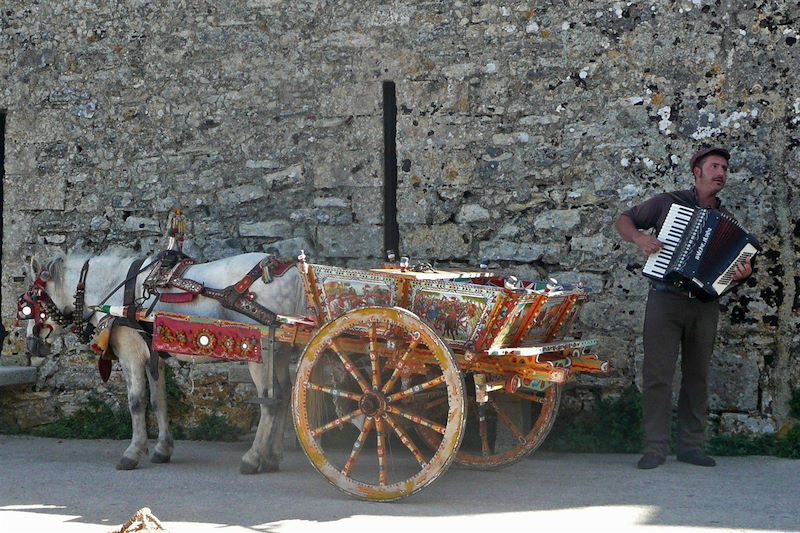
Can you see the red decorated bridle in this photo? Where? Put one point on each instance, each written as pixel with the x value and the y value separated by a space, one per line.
pixel 35 304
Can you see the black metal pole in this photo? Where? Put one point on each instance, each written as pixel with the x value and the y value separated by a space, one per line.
pixel 391 231
pixel 3 332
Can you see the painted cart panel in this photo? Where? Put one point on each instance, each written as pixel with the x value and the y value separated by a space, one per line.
pixel 335 291
pixel 459 312
pixel 470 311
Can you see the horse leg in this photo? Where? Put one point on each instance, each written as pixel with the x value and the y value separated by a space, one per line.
pixel 132 352
pixel 158 401
pixel 258 457
pixel 275 441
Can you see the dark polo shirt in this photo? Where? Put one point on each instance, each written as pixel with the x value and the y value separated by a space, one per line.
pixel 653 212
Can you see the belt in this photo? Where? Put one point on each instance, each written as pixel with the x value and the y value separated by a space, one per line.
pixel 672 289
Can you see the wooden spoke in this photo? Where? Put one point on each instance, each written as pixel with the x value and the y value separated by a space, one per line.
pixel 358 445
pixel 512 427
pixel 373 356
pixel 435 382
pixel 406 440
pixel 529 397
pixel 333 424
pixel 438 428
pixel 334 392
pixel 383 475
pixel 435 403
pixel 399 367
pixel 506 420
pixel 351 368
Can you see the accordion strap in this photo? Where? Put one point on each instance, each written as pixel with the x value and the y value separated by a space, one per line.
pixel 678 200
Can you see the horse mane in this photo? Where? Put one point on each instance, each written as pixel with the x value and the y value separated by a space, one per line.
pixel 55 266
pixel 56 263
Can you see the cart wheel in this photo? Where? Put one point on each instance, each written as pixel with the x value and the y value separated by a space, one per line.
pixel 358 388
pixel 507 428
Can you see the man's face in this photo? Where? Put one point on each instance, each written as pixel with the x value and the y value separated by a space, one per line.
pixel 712 175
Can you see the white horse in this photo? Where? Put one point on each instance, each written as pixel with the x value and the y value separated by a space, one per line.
pixel 283 295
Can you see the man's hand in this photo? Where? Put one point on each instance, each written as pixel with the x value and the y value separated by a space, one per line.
pixel 628 231
pixel 647 243
pixel 743 271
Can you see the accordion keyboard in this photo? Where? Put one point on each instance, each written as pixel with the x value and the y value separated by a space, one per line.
pixel 672 230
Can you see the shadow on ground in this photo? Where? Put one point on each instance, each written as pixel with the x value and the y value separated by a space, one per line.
pixel 202 486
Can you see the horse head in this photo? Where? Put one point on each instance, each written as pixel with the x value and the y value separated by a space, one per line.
pixel 45 305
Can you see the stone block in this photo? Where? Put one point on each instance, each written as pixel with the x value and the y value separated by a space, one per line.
pixel 17 375
pixel 271 228
pixel 331 202
pixel 472 213
pixel 362 240
pixel 368 205
pixel 349 169
pixel 733 383
pixel 503 250
pixel 292 176
pixel 234 196
pixel 41 193
pixel 745 424
pixel 558 220
pixel 147 225
pixel 291 247
pixel 364 98
pixel 434 243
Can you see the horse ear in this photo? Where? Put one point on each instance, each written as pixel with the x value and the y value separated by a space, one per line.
pixel 34 268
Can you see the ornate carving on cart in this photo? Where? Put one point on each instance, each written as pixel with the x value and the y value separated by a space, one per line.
pixel 218 339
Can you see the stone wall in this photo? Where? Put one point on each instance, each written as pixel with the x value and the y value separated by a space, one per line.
pixel 523 130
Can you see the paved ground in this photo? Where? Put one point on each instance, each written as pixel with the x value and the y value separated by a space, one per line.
pixel 72 486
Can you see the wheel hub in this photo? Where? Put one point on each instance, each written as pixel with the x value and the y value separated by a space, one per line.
pixel 372 403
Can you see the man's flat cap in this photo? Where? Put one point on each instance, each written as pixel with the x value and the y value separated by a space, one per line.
pixel 700 154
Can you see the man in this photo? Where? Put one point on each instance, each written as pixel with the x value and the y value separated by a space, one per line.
pixel 675 320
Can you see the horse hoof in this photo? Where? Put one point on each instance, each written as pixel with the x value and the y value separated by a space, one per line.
pixel 126 464
pixel 247 469
pixel 270 467
pixel 159 458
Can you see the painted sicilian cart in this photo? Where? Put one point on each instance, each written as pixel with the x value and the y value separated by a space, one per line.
pixel 410 371
pixel 404 372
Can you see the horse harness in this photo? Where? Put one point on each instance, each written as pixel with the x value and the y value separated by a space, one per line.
pixel 37 305
pixel 167 272
pixel 236 297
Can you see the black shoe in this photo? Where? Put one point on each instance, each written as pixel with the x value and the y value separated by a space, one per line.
pixel 696 457
pixel 650 460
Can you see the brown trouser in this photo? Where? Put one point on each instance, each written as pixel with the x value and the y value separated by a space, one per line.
pixel 672 323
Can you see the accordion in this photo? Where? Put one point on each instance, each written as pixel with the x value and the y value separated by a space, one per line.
pixel 700 251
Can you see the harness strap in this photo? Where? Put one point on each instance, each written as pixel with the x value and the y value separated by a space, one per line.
pixel 155 260
pixel 80 302
pixel 130 282
pixel 237 297
pixel 230 298
pixel 128 300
